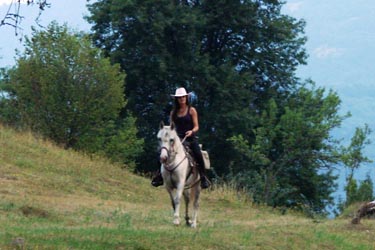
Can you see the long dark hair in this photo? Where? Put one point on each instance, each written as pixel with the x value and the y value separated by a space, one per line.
pixel 176 107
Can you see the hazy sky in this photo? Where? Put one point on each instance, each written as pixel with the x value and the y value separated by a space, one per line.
pixel 340 33
pixel 63 11
pixel 341 46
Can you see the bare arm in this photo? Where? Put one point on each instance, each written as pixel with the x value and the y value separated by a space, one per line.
pixel 194 115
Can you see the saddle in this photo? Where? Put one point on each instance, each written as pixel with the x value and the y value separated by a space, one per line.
pixel 192 162
pixel 189 155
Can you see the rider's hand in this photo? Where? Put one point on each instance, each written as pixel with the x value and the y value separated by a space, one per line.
pixel 189 133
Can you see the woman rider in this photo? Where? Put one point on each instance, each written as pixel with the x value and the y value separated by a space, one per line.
pixel 185 119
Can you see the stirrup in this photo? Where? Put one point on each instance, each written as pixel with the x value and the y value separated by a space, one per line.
pixel 204 182
pixel 157 181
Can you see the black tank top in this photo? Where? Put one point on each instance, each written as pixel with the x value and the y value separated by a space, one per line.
pixel 184 124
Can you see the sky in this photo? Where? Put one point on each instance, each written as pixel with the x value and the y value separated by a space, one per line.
pixel 341 48
pixel 70 12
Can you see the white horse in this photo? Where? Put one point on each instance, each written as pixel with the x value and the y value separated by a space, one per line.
pixel 179 176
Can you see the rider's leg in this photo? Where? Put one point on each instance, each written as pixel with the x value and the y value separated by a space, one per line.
pixel 158 178
pixel 194 146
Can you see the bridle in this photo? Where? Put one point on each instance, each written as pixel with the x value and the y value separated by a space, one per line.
pixel 168 167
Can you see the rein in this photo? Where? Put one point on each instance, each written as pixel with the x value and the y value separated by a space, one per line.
pixel 169 169
pixel 183 140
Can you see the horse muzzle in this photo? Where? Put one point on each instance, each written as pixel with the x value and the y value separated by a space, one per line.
pixel 163 159
pixel 164 155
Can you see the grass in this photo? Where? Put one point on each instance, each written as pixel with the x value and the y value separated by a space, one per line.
pixel 52 198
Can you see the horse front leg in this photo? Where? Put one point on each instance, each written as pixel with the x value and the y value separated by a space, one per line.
pixel 177 201
pixel 195 195
pixel 170 192
pixel 187 203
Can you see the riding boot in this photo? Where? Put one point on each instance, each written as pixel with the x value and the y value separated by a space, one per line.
pixel 204 180
pixel 157 180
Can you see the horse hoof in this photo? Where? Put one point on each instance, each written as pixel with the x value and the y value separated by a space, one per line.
pixel 176 222
pixel 193 225
pixel 188 222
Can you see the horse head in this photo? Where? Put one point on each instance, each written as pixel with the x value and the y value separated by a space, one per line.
pixel 167 138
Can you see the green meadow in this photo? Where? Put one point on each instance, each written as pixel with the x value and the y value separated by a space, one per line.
pixel 51 198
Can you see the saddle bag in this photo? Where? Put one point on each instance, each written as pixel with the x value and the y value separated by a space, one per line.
pixel 206 158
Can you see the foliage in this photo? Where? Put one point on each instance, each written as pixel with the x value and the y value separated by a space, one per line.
pixel 64 89
pixel 152 41
pixel 234 54
pixel 8 112
pixel 366 190
pixel 351 190
pixel 122 145
pixel 353 157
pixel 357 194
pixel 289 164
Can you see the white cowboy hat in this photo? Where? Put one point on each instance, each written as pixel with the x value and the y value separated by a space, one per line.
pixel 180 92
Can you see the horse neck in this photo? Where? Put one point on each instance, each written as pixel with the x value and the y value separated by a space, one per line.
pixel 179 153
pixel 179 147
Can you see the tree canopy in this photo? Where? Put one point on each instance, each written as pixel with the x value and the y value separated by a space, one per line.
pixel 64 89
pixel 210 47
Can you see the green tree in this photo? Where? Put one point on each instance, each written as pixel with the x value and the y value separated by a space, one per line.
pixel 352 158
pixel 63 88
pixel 155 43
pixel 121 143
pixel 366 190
pixel 355 194
pixel 290 163
pixel 235 55
pixel 254 51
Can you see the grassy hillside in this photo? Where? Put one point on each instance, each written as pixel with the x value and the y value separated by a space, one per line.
pixel 52 198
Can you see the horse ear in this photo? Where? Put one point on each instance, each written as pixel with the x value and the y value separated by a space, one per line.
pixel 172 126
pixel 161 125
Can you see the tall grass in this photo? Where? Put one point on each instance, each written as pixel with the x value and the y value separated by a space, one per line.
pixel 52 198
